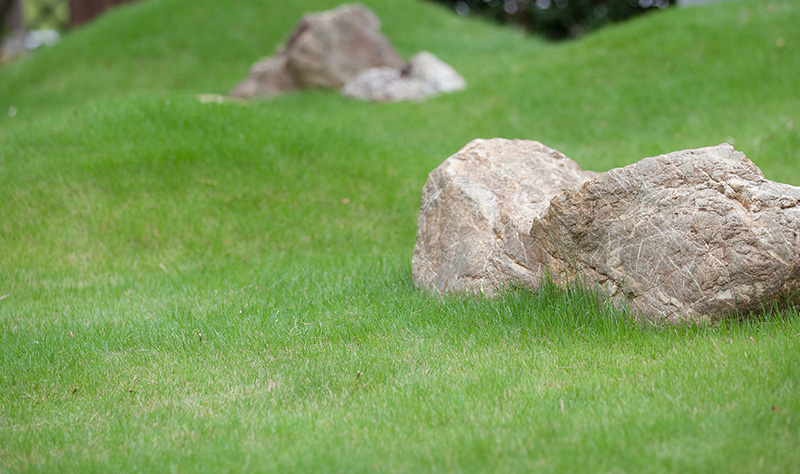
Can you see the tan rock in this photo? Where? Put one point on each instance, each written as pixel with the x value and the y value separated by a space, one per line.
pixel 268 77
pixel 475 207
pixel 326 49
pixel 323 51
pixel 690 235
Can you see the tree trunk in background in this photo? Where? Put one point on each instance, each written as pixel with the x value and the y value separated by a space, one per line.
pixel 82 11
pixel 14 21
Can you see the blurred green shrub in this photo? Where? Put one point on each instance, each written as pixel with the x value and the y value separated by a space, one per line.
pixel 556 19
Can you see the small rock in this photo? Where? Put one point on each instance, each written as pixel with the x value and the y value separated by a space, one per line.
pixel 424 76
pixel 268 77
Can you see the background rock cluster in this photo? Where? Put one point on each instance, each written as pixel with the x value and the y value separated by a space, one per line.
pixel 344 49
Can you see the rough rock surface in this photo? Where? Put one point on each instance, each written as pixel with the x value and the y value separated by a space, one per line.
pixel 323 51
pixel 692 235
pixel 475 207
pixel 424 76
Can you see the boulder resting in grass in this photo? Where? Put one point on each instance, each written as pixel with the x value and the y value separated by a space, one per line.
pixel 693 235
pixel 477 206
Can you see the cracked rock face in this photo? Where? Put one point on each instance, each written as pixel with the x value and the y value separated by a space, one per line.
pixel 477 206
pixel 687 236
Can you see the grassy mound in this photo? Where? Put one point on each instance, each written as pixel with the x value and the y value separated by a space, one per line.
pixel 226 287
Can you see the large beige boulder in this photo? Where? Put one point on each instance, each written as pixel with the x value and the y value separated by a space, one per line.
pixel 477 206
pixel 324 50
pixel 688 236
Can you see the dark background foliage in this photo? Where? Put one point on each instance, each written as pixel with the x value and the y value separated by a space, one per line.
pixel 5 9
pixel 556 19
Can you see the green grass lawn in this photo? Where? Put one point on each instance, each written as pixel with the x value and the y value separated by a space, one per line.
pixel 192 287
